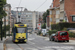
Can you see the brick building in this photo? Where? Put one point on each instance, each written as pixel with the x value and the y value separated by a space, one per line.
pixel 64 11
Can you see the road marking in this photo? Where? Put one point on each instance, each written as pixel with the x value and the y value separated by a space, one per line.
pixel 14 49
pixel 31 49
pixel 31 38
pixel 31 42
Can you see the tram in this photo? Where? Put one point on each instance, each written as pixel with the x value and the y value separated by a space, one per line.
pixel 19 32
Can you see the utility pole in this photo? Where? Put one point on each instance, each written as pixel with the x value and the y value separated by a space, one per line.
pixel 1 30
pixel 5 26
pixel 19 13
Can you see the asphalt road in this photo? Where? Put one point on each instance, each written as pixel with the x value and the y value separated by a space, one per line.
pixel 36 42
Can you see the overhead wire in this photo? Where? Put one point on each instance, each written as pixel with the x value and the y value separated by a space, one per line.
pixel 41 5
pixel 19 3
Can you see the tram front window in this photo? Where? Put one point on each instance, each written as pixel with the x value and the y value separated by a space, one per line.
pixel 20 30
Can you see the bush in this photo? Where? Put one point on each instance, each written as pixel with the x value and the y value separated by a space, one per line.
pixel 52 31
pixel 9 35
pixel 61 26
pixel 39 33
pixel 71 34
pixel 65 29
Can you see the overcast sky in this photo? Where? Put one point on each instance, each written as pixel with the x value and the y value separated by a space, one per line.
pixel 30 4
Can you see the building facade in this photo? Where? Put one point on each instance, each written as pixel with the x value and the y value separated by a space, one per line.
pixel 62 11
pixel 31 18
pixel 7 20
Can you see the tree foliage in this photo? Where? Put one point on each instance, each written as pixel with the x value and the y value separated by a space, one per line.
pixel 2 12
pixel 43 26
pixel 45 14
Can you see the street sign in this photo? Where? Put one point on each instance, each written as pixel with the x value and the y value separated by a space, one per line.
pixel 39 26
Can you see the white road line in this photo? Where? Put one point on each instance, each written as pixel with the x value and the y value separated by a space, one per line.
pixel 31 49
pixel 14 49
pixel 31 42
pixel 31 38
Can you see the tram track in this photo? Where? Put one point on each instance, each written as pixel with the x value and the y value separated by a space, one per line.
pixel 5 46
pixel 20 46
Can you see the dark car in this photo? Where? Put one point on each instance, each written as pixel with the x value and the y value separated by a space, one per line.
pixel 51 38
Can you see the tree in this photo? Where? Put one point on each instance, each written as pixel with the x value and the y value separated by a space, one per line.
pixel 43 26
pixel 45 14
pixel 2 12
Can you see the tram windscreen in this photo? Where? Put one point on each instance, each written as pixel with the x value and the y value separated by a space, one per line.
pixel 21 30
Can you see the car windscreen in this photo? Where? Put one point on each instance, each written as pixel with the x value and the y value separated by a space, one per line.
pixel 63 33
pixel 20 30
pixel 53 34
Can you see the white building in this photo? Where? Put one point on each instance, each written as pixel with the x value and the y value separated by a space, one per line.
pixel 31 18
pixel 7 20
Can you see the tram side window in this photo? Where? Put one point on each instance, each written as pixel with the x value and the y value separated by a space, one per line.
pixel 16 30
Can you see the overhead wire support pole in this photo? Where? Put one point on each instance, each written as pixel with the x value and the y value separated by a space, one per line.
pixel 1 30
pixel 19 12
pixel 5 26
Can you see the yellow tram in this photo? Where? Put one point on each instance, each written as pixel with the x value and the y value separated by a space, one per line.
pixel 19 33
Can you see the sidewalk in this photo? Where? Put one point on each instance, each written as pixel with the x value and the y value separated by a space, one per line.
pixel 1 43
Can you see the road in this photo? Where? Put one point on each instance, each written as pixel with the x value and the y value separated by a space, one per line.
pixel 36 42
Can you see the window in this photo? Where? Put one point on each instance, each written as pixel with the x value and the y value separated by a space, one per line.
pixel 73 18
pixel 26 15
pixel 60 0
pixel 50 19
pixel 63 33
pixel 20 30
pixel 57 12
pixel 57 20
pixel 50 12
pixel 65 18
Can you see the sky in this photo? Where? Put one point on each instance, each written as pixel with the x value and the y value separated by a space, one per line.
pixel 31 5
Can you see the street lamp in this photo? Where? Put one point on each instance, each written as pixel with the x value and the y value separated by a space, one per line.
pixel 1 28
pixel 13 21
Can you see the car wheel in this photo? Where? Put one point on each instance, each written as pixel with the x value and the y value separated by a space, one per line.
pixel 49 39
pixel 54 40
pixel 63 41
pixel 67 40
pixel 58 40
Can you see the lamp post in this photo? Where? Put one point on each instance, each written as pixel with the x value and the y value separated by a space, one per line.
pixel 13 21
pixel 1 29
pixel 5 22
pixel 5 26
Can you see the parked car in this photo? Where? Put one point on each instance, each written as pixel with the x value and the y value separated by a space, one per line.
pixel 61 36
pixel 70 29
pixel 51 38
